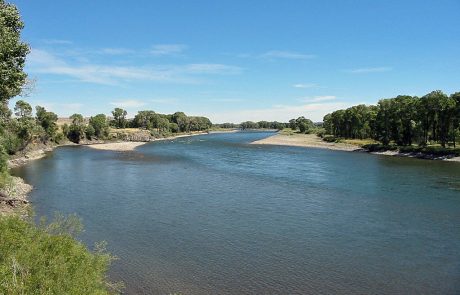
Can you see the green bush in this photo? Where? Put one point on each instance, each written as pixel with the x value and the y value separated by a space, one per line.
pixel 430 150
pixel 329 138
pixel 46 259
pixel 321 132
pixel 377 147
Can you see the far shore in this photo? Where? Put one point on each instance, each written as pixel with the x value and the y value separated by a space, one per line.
pixel 126 146
pixel 314 141
pixel 119 146
pixel 305 140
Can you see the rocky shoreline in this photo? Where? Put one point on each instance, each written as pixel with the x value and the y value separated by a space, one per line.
pixel 13 197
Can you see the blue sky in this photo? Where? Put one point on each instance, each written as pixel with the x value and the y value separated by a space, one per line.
pixel 237 60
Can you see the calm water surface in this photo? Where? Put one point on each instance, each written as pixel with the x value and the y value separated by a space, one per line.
pixel 214 215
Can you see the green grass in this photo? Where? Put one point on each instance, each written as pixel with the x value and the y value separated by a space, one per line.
pixel 47 259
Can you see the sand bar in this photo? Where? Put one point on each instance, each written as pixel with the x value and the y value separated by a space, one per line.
pixel 117 146
pixel 125 146
pixel 305 140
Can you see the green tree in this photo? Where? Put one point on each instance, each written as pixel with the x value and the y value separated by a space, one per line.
pixel 305 125
pixel 22 109
pixel 47 120
pixel 119 117
pixel 456 118
pixel 100 125
pixel 77 128
pixel 12 55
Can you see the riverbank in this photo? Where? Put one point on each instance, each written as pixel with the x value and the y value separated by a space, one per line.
pixel 305 140
pixel 314 141
pixel 125 146
pixel 13 197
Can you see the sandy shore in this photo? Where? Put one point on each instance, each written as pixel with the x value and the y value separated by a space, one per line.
pixel 454 159
pixel 117 146
pixel 311 140
pixel 125 146
pixel 305 140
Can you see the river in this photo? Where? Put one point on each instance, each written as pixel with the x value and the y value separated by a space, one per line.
pixel 212 214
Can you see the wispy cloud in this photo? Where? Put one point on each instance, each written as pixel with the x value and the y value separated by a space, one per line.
pixel 44 62
pixel 281 113
pixel 276 54
pixel 369 70
pixel 319 98
pixel 128 103
pixel 306 85
pixel 226 100
pixel 57 42
pixel 167 49
pixel 210 68
pixel 116 51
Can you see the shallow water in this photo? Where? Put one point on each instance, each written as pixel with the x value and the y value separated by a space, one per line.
pixel 212 214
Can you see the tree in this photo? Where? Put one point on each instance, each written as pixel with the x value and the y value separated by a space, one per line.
pixel 48 121
pixel 119 117
pixel 22 109
pixel 144 119
pixel 100 125
pixel 77 128
pixel 163 124
pixel 304 124
pixel 456 119
pixel 12 55
pixel 90 132
pixel 173 127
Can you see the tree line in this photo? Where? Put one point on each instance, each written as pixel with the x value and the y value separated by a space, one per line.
pixel 253 125
pixel 403 120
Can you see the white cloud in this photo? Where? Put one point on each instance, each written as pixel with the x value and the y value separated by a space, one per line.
pixel 211 69
pixel 306 85
pixel 116 51
pixel 281 113
pixel 226 100
pixel 129 103
pixel 57 42
pixel 167 49
pixel 319 98
pixel 274 54
pixel 44 62
pixel 369 70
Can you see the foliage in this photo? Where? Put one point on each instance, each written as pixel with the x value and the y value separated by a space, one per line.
pixel 119 118
pixel 160 124
pixel 100 125
pixel 262 125
pixel 23 109
pixel 76 130
pixel 48 260
pixel 402 120
pixel 12 53
pixel 47 120
pixel 3 166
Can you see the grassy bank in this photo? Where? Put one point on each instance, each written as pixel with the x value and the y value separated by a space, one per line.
pixel 47 259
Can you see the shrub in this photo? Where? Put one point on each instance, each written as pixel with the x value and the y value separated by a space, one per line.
pixel 329 138
pixel 46 259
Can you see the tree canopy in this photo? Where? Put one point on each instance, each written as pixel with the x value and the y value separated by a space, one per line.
pixel 12 53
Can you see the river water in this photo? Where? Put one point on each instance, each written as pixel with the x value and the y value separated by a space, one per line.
pixel 212 214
